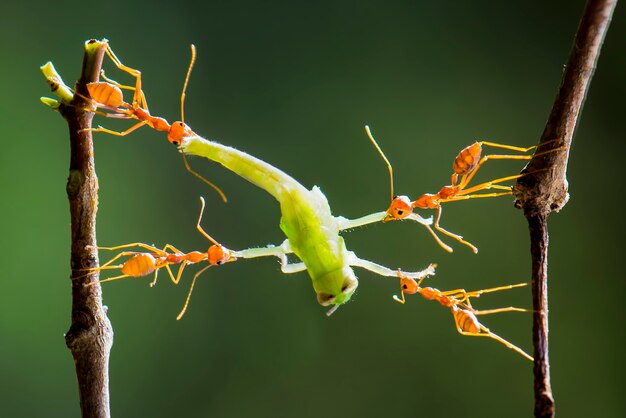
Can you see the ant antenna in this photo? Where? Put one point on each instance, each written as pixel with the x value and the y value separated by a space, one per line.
pixel 182 96
pixel 195 173
pixel 382 154
pixel 202 231
pixel 182 119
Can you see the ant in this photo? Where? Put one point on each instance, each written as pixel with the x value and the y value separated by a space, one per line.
pixel 464 314
pixel 141 264
pixel 108 95
pixel 465 166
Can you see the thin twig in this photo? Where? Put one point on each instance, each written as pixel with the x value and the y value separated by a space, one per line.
pixel 90 335
pixel 544 187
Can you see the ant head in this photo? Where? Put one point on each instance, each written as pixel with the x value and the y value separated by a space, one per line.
pixel 408 285
pixel 218 254
pixel 178 131
pixel 400 208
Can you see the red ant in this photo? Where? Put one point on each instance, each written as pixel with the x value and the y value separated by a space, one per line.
pixel 464 314
pixel 465 166
pixel 141 264
pixel 108 95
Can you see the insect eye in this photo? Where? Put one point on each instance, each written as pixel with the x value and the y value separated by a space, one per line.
pixel 325 299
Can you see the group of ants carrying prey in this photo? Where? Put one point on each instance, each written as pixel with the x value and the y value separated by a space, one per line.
pixel 312 232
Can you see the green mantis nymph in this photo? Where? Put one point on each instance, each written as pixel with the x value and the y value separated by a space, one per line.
pixel 312 232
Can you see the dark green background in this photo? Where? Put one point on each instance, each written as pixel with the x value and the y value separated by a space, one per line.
pixel 294 83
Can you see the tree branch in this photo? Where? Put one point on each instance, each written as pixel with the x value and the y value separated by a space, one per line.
pixel 544 187
pixel 90 335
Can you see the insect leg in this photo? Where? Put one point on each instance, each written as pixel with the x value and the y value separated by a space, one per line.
pixel 414 216
pixel 123 133
pixel 281 252
pixel 133 244
pixel 450 234
pixel 381 270
pixel 139 96
pixel 344 223
pixel 485 332
pixel 467 178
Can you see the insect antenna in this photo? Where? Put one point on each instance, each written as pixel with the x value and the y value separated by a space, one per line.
pixel 182 119
pixel 382 154
pixel 199 227
pixel 183 94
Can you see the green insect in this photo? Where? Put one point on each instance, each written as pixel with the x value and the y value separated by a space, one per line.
pixel 312 232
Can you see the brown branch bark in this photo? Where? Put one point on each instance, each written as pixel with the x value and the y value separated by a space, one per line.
pixel 90 335
pixel 544 187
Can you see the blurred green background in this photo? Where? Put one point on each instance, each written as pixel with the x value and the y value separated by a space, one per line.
pixel 293 83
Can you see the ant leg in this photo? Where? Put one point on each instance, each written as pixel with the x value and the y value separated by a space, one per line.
pixel 172 248
pixel 133 244
pixel 135 73
pixel 509 147
pixel 464 297
pixel 139 98
pixel 115 83
pixel 499 310
pixel 195 173
pixel 115 114
pixel 468 177
pixel 110 279
pixel 123 133
pixel 476 196
pixel 107 265
pixel 461 317
pixel 401 298
pixel 477 293
pixel 446 247
pixel 180 272
pixel 485 332
pixel 493 184
pixel 156 275
pixel 459 238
